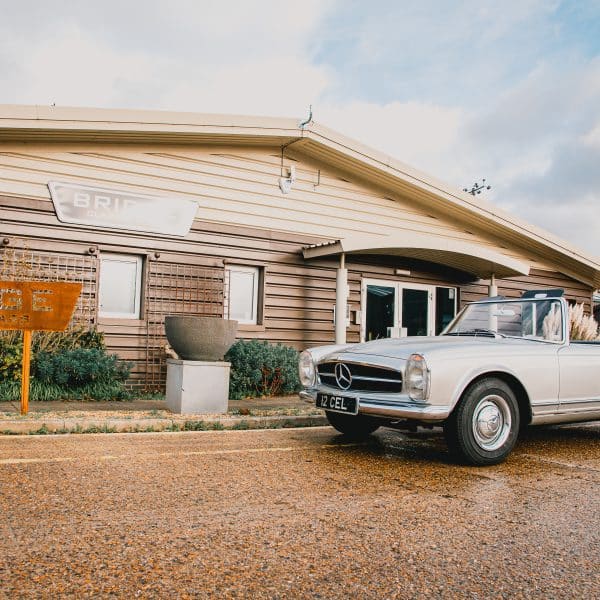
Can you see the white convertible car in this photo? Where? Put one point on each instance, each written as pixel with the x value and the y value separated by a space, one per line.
pixel 500 365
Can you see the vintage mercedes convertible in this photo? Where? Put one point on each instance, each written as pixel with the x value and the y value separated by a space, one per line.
pixel 499 365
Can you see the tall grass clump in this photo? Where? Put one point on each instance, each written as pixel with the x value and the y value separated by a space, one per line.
pixel 582 327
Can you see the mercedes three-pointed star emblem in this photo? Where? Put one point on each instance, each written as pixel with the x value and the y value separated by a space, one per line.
pixel 343 376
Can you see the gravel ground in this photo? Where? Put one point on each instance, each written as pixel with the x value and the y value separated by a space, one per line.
pixel 297 514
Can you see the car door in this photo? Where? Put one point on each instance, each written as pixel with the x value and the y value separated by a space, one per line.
pixel 579 366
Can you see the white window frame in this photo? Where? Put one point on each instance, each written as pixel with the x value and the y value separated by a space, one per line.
pixel 256 271
pixel 130 258
pixel 398 287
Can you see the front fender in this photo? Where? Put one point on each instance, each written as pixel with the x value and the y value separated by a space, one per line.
pixel 481 371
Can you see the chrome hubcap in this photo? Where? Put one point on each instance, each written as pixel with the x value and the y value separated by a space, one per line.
pixel 491 422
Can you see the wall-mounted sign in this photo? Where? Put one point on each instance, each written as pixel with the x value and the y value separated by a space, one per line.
pixel 99 207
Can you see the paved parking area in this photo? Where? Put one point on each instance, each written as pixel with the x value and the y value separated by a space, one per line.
pixel 299 513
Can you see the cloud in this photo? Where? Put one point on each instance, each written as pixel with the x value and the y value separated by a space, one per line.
pixel 208 57
pixel 542 145
pixel 418 134
pixel 278 86
pixel 461 90
pixel 537 144
pixel 459 52
pixel 72 68
pixel 592 139
pixel 550 103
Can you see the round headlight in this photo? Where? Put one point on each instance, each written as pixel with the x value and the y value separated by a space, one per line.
pixel 417 377
pixel 306 369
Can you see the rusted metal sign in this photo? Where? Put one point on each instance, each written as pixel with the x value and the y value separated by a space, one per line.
pixel 35 305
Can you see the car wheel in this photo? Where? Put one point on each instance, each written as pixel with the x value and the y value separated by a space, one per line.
pixel 355 426
pixel 483 428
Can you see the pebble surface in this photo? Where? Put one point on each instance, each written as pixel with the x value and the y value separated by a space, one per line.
pixel 299 513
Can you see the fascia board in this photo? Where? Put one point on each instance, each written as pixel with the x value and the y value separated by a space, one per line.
pixel 47 120
pixel 479 213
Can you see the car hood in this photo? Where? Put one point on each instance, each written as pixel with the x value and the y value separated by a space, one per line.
pixel 402 348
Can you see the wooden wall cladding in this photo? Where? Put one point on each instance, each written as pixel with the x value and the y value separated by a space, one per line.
pixel 299 296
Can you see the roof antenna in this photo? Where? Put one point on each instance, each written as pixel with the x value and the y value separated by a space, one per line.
pixel 478 188
pixel 303 124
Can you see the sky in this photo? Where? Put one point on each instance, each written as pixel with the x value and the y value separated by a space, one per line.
pixel 463 90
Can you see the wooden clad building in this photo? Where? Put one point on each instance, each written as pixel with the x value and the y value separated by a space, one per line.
pixel 286 222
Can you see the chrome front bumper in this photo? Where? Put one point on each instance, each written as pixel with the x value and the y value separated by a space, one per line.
pixel 401 408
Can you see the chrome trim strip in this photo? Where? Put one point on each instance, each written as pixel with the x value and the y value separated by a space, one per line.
pixel 378 361
pixel 308 396
pixel 365 378
pixel 581 401
pixel 576 411
pixel 367 395
pixel 394 408
pixel 404 411
pixel 566 417
pixel 542 403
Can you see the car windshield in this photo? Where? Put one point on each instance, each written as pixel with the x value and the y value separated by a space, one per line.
pixel 531 319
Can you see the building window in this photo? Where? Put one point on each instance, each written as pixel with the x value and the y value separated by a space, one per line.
pixel 244 288
pixel 120 286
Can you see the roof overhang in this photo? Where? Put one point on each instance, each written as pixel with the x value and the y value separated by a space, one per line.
pixel 66 124
pixel 479 261
pixel 98 125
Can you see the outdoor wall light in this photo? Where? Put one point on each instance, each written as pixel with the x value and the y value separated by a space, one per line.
pixel 285 183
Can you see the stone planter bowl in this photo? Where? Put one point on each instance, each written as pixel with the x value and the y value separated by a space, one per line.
pixel 200 338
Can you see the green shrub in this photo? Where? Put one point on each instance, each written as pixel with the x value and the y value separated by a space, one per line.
pixel 262 369
pixel 79 367
pixel 70 365
pixel 11 355
pixel 50 342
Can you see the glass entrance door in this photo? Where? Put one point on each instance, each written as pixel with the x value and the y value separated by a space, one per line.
pixel 394 309
pixel 381 311
pixel 415 311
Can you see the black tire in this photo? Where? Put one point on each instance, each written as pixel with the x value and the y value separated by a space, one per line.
pixel 354 426
pixel 484 426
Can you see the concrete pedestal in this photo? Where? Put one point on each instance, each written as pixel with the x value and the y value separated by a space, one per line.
pixel 197 387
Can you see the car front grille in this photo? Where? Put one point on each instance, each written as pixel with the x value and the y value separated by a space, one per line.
pixel 363 378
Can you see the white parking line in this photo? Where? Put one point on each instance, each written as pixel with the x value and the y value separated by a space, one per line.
pixel 59 459
pixel 560 463
pixel 25 461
